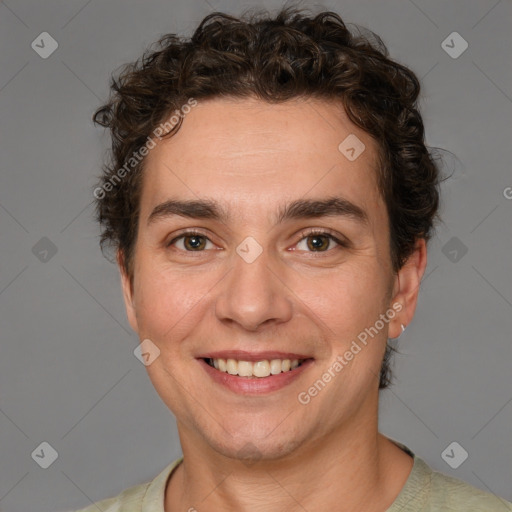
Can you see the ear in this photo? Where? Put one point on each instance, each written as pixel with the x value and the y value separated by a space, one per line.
pixel 127 288
pixel 406 288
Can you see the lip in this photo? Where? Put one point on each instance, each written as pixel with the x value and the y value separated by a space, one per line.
pixel 242 355
pixel 255 385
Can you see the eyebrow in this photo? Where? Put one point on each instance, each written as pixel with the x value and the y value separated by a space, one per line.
pixel 298 209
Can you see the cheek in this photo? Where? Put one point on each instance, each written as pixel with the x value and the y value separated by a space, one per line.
pixel 168 304
pixel 346 299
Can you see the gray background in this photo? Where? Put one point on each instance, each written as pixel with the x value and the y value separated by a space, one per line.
pixel 68 375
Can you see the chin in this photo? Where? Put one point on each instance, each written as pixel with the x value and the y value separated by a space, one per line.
pixel 249 448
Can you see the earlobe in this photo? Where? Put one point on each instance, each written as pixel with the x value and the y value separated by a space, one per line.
pixel 128 295
pixel 407 286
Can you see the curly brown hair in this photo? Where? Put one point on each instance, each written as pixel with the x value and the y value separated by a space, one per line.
pixel 274 58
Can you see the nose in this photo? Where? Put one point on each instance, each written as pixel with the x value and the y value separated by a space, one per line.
pixel 254 294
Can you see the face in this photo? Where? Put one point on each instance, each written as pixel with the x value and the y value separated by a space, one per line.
pixel 283 260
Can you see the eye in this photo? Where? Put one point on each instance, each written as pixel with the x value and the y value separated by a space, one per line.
pixel 315 240
pixel 192 241
pixel 319 240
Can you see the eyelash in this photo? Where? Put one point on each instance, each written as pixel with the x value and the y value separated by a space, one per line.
pixel 324 232
pixel 304 234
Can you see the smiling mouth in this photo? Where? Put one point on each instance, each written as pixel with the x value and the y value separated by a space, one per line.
pixel 256 369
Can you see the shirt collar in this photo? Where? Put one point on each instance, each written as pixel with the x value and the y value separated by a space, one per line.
pixel 154 497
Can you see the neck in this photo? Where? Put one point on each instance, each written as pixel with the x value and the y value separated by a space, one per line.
pixel 349 469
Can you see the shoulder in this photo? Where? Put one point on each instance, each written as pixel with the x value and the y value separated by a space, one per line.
pixel 146 497
pixel 451 494
pixel 427 490
pixel 130 500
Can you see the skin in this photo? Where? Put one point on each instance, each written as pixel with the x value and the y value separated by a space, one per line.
pixel 253 157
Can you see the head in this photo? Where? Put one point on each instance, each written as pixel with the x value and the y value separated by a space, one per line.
pixel 268 127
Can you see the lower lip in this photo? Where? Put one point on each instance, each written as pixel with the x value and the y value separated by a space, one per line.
pixel 255 385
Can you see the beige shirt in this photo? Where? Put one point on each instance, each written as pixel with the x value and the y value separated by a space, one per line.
pixel 424 491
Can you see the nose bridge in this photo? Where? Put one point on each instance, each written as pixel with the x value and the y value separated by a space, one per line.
pixel 254 292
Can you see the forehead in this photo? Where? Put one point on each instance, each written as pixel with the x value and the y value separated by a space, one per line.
pixel 250 154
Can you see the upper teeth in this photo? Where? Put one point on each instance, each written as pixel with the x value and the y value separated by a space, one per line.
pixel 257 369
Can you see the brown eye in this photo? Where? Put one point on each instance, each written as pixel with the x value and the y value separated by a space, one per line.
pixel 319 241
pixel 190 242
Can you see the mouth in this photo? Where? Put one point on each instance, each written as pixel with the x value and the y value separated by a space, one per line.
pixel 250 373
pixel 254 369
